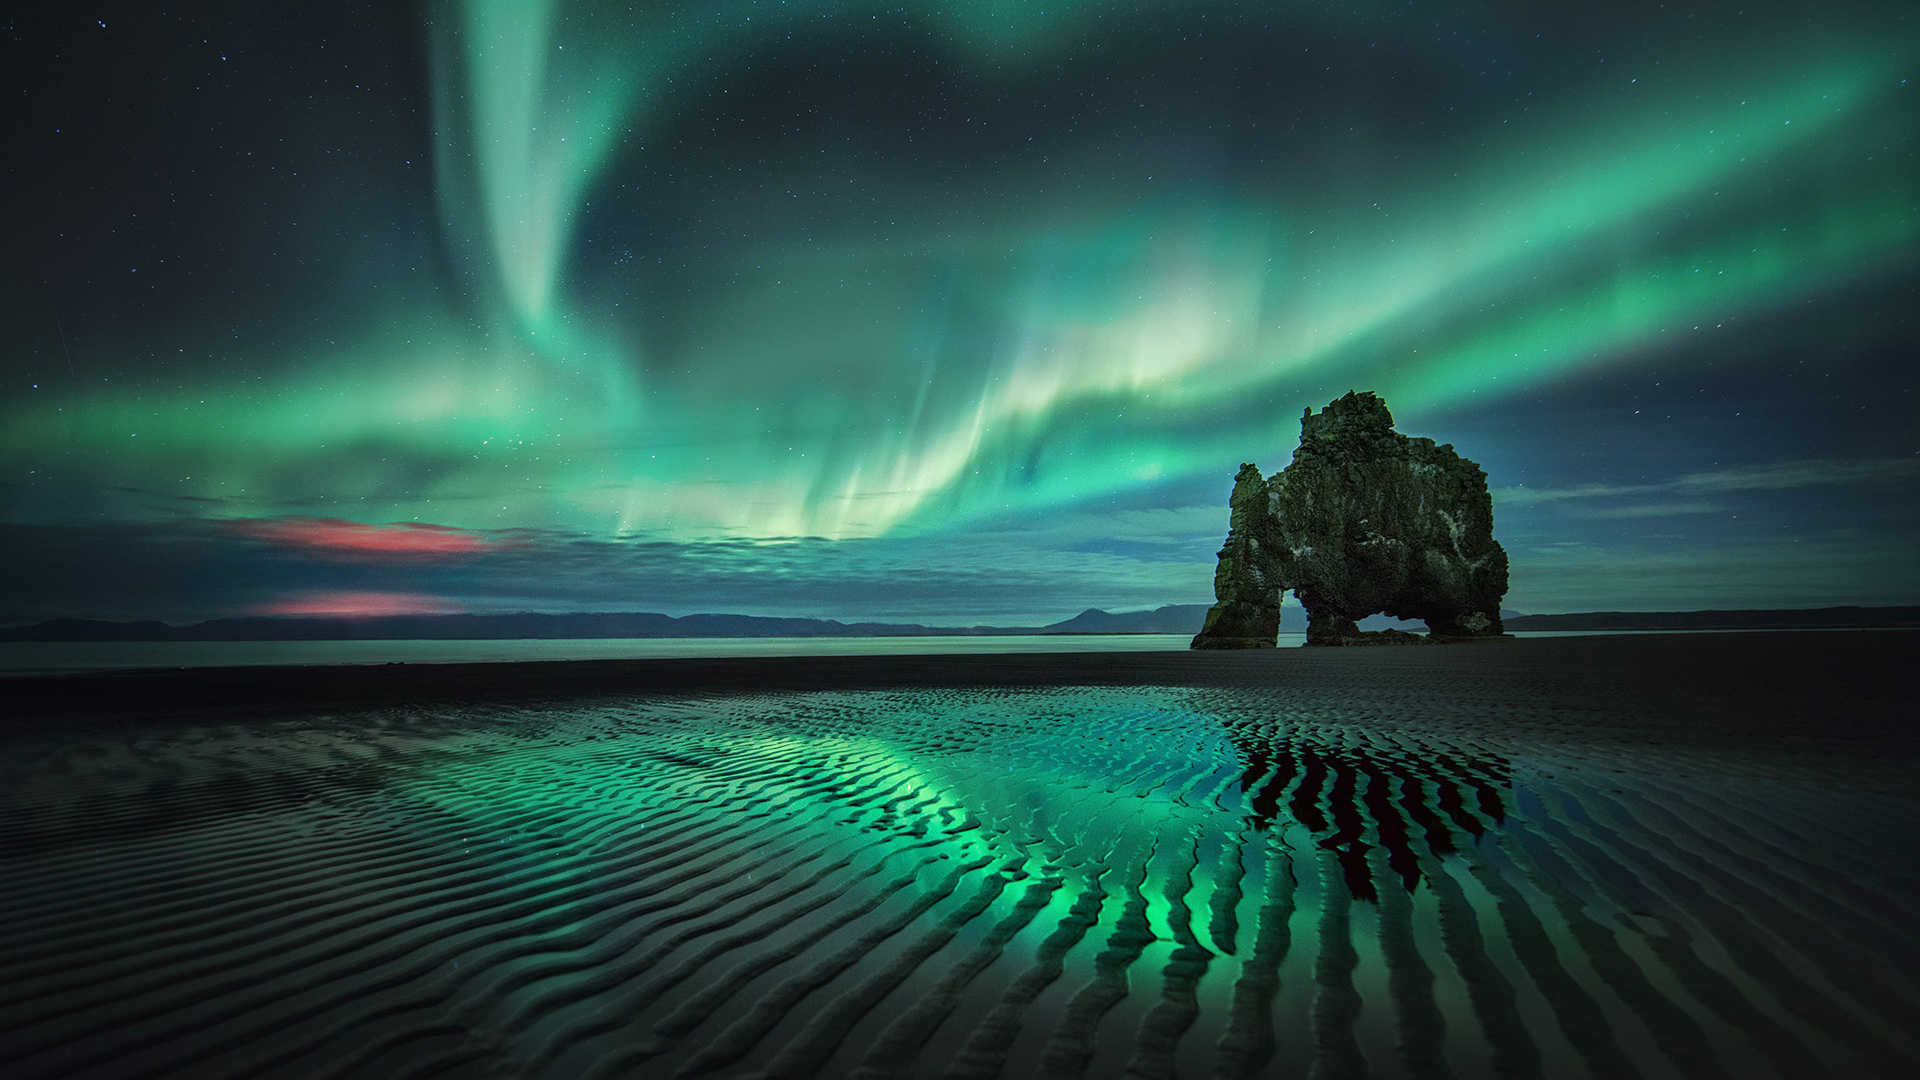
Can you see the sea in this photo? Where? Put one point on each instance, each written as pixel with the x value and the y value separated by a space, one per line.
pixel 65 657
pixel 50 657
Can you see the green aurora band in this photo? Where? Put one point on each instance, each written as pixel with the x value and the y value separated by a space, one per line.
pixel 858 384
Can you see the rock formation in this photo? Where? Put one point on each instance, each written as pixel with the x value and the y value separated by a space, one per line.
pixel 1365 520
pixel 1247 615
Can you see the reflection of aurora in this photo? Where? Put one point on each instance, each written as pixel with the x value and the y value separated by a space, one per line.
pixel 1379 795
pixel 1059 882
pixel 820 379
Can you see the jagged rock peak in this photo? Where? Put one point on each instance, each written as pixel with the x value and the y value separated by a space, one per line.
pixel 1353 420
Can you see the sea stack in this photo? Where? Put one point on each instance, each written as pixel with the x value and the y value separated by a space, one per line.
pixel 1366 520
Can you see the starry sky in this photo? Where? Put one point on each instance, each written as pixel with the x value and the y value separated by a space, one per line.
pixel 945 311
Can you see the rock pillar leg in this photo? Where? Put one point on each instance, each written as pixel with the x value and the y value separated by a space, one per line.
pixel 1235 624
pixel 1331 628
pixel 1248 613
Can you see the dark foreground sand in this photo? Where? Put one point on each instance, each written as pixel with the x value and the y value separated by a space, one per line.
pixel 1688 855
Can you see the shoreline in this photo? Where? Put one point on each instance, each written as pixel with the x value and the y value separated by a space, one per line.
pixel 20 659
pixel 1740 687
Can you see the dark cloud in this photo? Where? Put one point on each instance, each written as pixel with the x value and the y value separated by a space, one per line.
pixel 188 570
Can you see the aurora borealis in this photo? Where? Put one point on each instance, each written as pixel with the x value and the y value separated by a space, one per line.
pixel 941 311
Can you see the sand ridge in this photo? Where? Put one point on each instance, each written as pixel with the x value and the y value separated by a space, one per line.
pixel 1318 864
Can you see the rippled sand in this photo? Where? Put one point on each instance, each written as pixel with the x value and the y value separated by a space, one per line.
pixel 1514 860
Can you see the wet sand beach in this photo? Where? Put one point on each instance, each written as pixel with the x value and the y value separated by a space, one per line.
pixel 1673 856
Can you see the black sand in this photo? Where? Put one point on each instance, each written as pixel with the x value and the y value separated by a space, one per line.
pixel 1848 691
pixel 1689 855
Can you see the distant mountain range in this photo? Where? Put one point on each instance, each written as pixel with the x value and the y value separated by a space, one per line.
pixel 1171 619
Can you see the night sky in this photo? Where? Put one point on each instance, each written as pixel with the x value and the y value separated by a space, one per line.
pixel 942 312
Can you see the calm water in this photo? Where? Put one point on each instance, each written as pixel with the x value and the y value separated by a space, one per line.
pixel 59 656
pixel 46 657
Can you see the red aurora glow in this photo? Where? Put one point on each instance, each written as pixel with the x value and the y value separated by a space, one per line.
pixel 333 536
pixel 359 604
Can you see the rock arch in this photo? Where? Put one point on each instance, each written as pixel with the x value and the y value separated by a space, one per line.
pixel 1364 521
